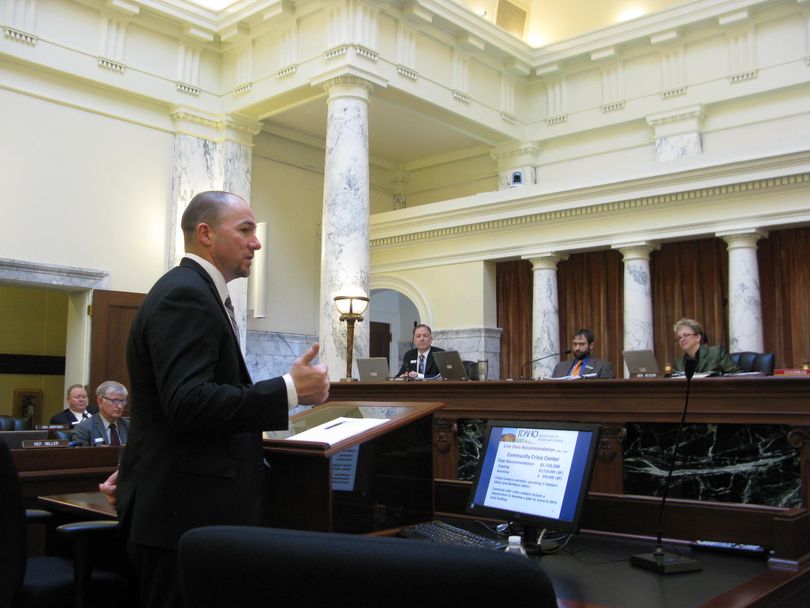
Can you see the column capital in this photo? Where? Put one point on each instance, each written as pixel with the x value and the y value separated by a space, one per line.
pixel 214 127
pixel 742 239
pixel 348 85
pixel 546 261
pixel 515 153
pixel 639 250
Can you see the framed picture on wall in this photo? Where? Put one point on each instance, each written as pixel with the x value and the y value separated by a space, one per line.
pixel 28 404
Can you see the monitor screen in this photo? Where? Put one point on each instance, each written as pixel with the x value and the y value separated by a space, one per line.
pixel 535 473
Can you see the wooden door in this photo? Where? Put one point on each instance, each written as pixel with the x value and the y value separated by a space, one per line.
pixel 380 340
pixel 112 315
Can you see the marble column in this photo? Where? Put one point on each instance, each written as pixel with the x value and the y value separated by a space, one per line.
pixel 545 314
pixel 344 242
pixel 210 153
pixel 638 319
pixel 745 305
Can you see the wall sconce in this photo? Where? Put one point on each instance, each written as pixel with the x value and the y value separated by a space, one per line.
pixel 351 309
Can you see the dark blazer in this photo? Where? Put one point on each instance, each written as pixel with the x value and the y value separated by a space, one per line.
pixel 431 369
pixel 65 417
pixel 591 365
pixel 194 456
pixel 91 429
pixel 711 359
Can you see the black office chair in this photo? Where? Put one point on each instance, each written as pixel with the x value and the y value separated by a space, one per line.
pixel 754 362
pixel 6 423
pixel 22 424
pixel 259 567
pixel 48 581
pixel 471 367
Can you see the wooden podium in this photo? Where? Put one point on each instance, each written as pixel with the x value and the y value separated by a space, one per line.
pixel 376 479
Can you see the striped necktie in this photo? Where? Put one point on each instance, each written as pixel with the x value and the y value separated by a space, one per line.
pixel 421 368
pixel 232 317
pixel 577 368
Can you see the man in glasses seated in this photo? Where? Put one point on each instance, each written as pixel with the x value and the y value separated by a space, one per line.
pixel 107 427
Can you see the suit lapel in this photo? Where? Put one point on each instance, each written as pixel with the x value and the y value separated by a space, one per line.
pixel 188 263
pixel 98 423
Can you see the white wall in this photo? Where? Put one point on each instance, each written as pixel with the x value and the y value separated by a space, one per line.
pixel 289 198
pixel 83 190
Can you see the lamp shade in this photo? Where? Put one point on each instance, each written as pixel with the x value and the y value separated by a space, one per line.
pixel 347 305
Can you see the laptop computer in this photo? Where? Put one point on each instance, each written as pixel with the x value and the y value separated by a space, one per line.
pixel 641 363
pixel 450 365
pixel 373 369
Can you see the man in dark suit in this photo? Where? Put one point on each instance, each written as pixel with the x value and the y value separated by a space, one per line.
pixel 107 427
pixel 418 363
pixel 584 364
pixel 194 456
pixel 76 411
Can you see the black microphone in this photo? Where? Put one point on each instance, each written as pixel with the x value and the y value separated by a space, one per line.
pixel 522 367
pixel 659 560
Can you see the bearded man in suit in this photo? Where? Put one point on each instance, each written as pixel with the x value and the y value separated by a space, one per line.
pixel 584 364
pixel 195 456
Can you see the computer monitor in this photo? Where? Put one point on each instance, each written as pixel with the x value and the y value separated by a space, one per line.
pixel 535 474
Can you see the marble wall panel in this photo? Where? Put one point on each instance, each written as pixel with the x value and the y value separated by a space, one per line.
pixel 750 464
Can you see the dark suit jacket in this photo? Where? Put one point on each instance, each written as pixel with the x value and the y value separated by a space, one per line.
pixel 431 369
pixel 90 429
pixel 711 359
pixel 65 417
pixel 194 456
pixel 591 365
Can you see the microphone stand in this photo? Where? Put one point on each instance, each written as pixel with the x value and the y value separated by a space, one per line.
pixel 659 560
pixel 522 367
pixel 408 373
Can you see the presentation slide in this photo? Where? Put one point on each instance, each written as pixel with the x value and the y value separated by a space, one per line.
pixel 531 470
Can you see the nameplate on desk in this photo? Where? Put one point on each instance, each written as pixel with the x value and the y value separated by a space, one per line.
pixel 647 375
pixel 45 443
pixel 50 427
pixel 797 371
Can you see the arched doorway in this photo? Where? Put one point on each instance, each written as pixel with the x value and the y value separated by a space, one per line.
pixel 392 317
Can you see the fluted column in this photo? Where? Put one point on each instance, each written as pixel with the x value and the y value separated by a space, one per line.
pixel 745 305
pixel 344 242
pixel 545 314
pixel 638 319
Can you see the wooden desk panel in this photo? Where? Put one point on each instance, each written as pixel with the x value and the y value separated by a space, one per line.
pixel 739 400
pixel 46 471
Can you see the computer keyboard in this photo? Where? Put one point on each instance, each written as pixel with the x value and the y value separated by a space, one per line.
pixel 440 532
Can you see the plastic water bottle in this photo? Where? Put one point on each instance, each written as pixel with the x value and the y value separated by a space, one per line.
pixel 515 546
